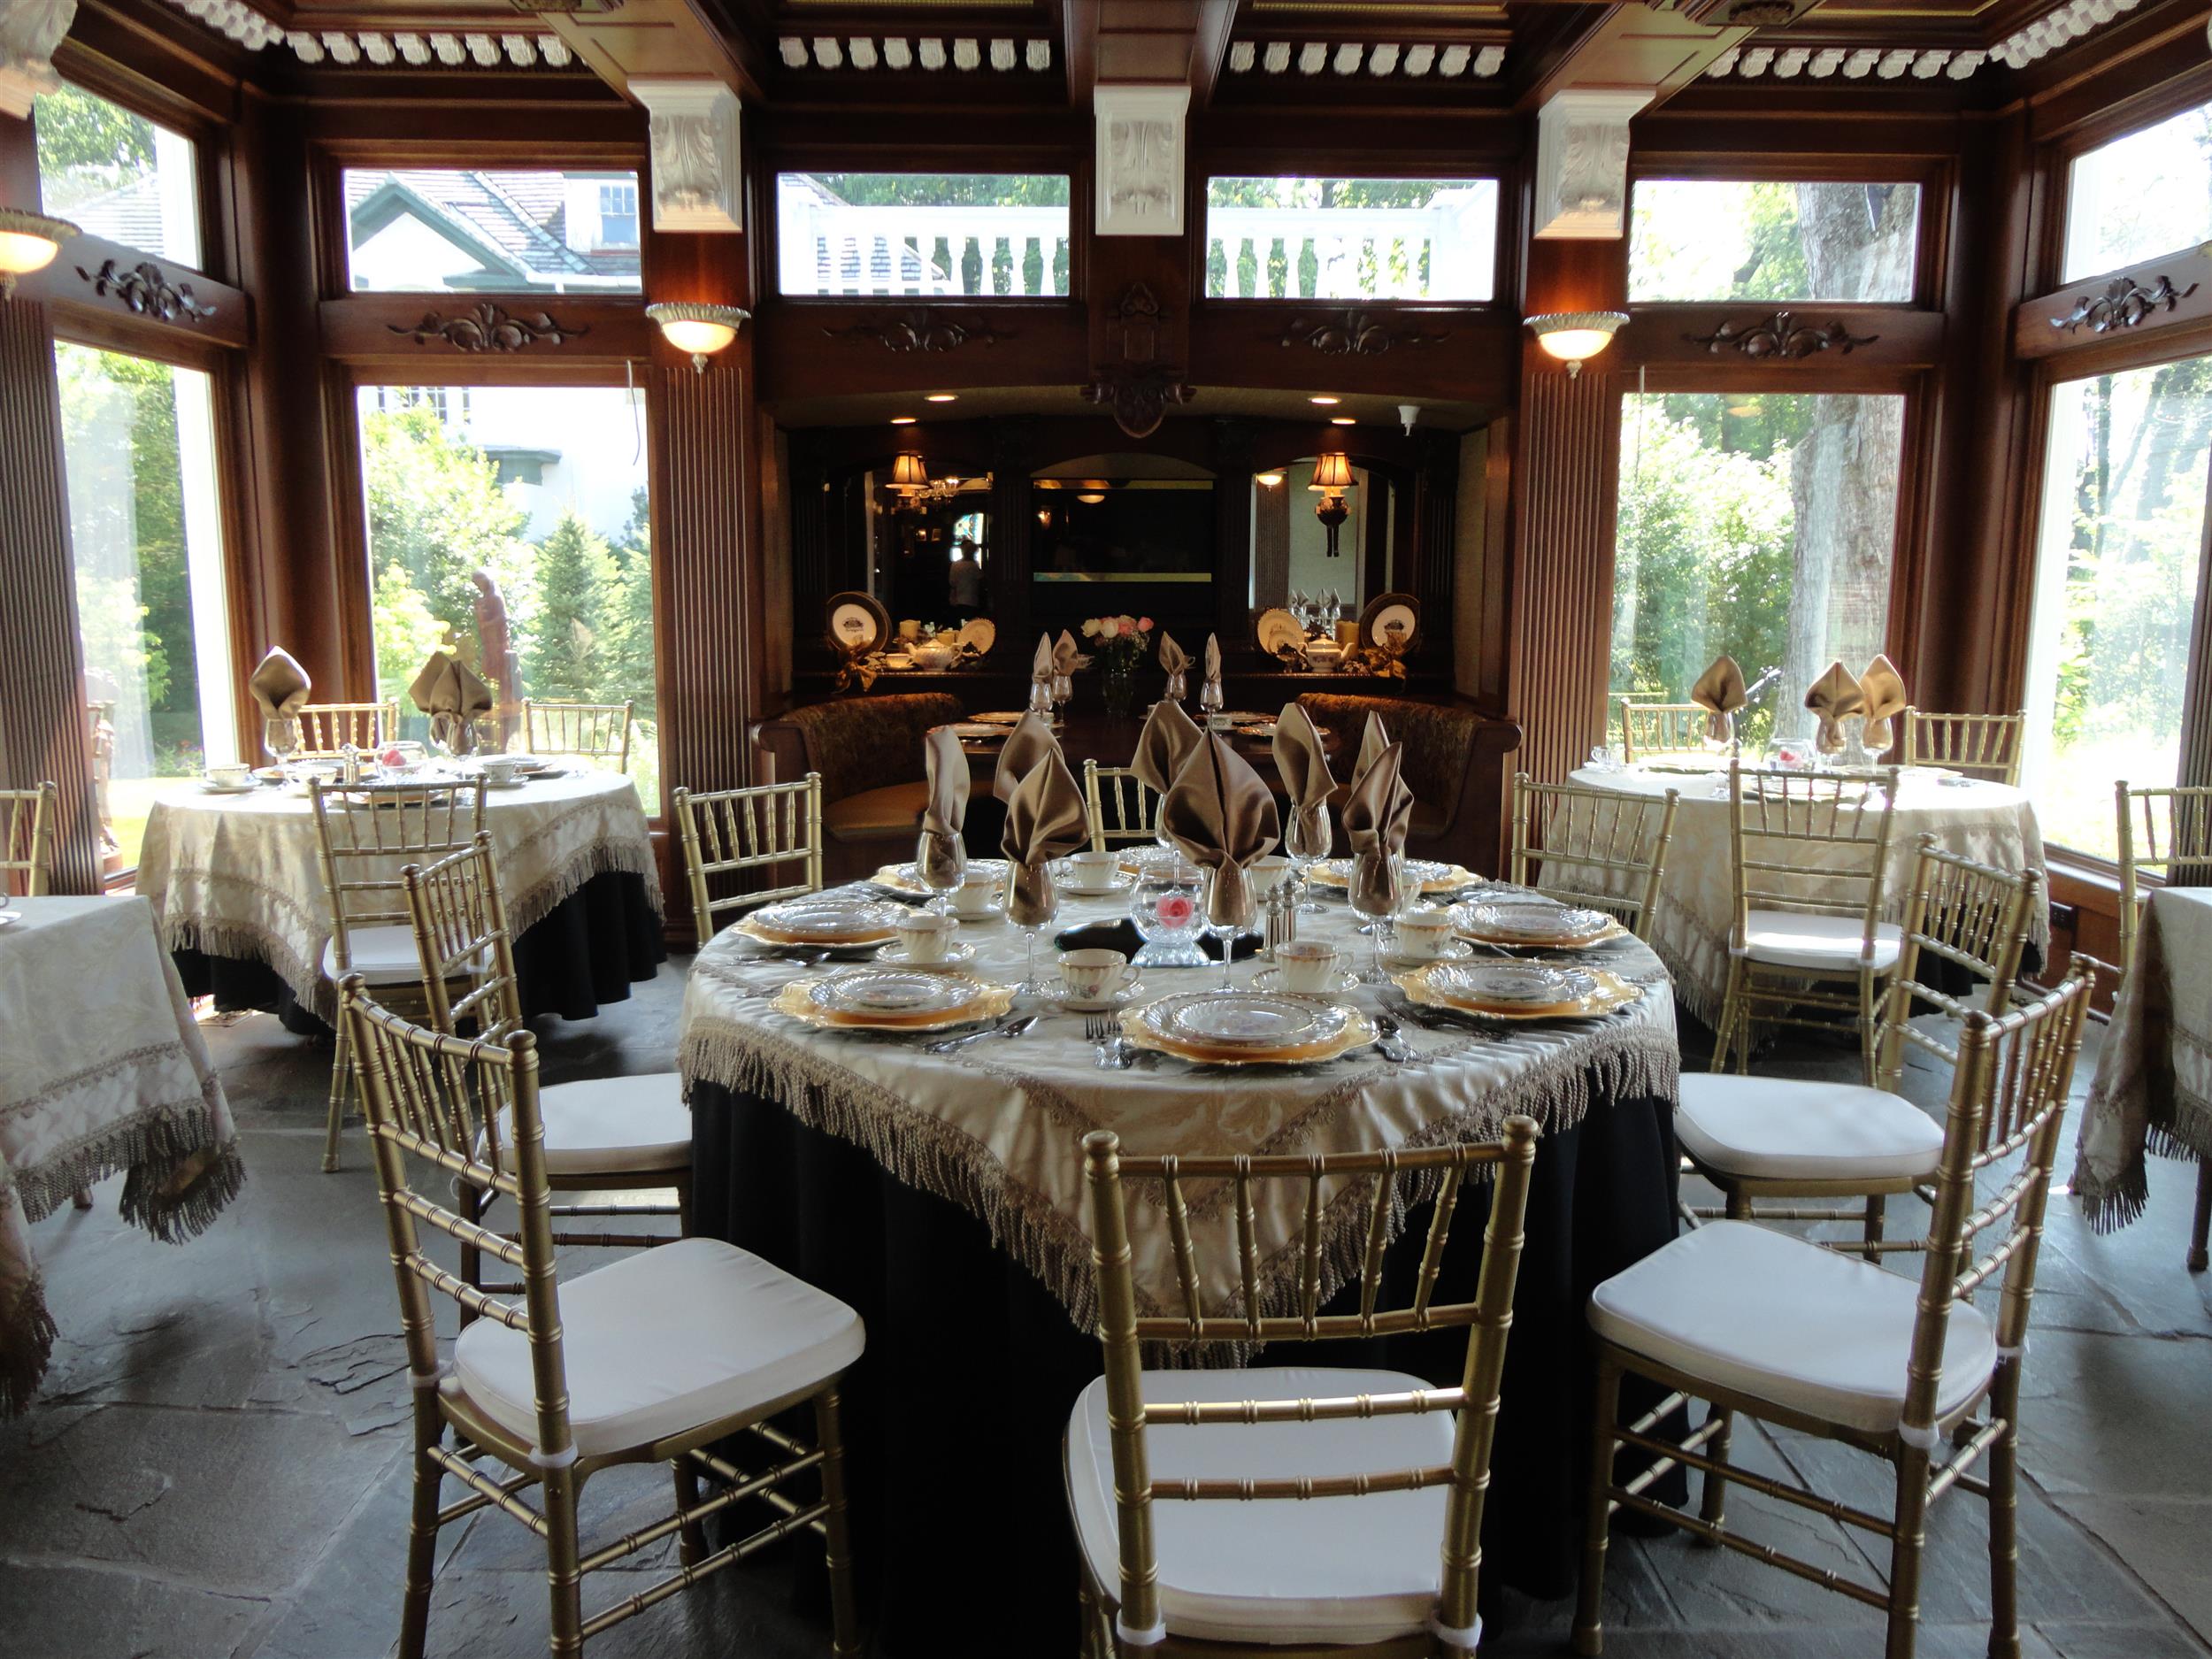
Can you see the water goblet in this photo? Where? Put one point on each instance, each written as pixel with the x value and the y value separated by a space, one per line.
pixel 1228 913
pixel 1378 891
pixel 281 736
pixel 941 864
pixel 1306 842
pixel 1031 901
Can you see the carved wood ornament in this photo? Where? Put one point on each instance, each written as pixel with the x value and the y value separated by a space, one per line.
pixel 1781 336
pixel 488 327
pixel 2123 303
pixel 147 291
pixel 1351 335
pixel 1139 389
pixel 919 329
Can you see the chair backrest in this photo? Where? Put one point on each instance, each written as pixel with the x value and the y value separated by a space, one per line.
pixel 26 840
pixel 597 731
pixel 459 916
pixel 468 1109
pixel 2010 1092
pixel 1654 731
pixel 1118 805
pixel 2165 833
pixel 1971 916
pixel 1487 1318
pixel 1618 839
pixel 725 831
pixel 367 832
pixel 1985 746
pixel 325 728
pixel 1811 841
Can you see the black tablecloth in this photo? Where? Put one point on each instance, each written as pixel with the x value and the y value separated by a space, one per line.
pixel 589 950
pixel 954 1415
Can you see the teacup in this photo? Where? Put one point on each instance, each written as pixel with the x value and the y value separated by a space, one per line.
pixel 1091 976
pixel 977 893
pixel 1307 964
pixel 1267 873
pixel 230 777
pixel 1424 933
pixel 1093 871
pixel 501 768
pixel 926 936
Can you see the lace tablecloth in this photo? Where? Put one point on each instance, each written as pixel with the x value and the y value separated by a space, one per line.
pixel 1990 822
pixel 2154 1087
pixel 105 1073
pixel 997 1127
pixel 240 875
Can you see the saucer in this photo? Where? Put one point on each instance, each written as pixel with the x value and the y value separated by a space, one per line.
pixel 979 918
pixel 1113 1004
pixel 896 956
pixel 1271 979
pixel 511 783
pixel 1121 883
pixel 9 918
pixel 1457 950
pixel 207 787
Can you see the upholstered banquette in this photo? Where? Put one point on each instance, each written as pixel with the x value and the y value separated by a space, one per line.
pixel 1455 797
pixel 869 752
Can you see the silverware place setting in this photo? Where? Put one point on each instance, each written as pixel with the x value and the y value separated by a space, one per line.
pixel 1005 1028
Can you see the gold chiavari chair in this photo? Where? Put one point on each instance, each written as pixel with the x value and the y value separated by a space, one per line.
pixel 654 1358
pixel 325 728
pixel 1985 746
pixel 1118 805
pixel 1757 1139
pixel 594 731
pixel 1661 731
pixel 760 827
pixel 1344 1571
pixel 1616 842
pixel 1807 855
pixel 2166 833
pixel 1754 1321
pixel 614 1134
pixel 26 840
pixel 365 834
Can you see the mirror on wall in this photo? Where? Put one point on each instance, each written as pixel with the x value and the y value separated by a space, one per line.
pixel 1322 525
pixel 926 538
pixel 1121 535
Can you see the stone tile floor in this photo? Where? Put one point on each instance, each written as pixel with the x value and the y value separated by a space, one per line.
pixel 216 1466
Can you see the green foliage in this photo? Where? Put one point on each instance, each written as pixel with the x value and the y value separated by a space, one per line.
pixel 569 655
pixel 86 147
pixel 436 508
pixel 406 630
pixel 947 189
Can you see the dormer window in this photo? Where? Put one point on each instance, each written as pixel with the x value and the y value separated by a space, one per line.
pixel 617 214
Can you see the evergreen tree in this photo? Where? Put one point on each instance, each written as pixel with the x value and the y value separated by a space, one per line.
pixel 570 650
pixel 630 615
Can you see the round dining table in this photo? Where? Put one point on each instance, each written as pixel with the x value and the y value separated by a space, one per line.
pixel 1975 818
pixel 942 1196
pixel 235 881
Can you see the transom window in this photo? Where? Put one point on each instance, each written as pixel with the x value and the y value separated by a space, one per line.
pixel 2138 197
pixel 119 175
pixel 1737 239
pixel 922 233
pixel 443 229
pixel 1374 239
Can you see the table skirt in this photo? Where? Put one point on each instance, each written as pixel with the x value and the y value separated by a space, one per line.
pixel 589 950
pixel 956 1414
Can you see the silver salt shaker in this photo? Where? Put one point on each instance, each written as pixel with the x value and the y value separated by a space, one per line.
pixel 1282 917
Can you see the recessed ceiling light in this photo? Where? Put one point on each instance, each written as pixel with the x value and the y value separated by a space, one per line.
pixel 1342 420
pixel 1323 399
pixel 940 397
pixel 902 420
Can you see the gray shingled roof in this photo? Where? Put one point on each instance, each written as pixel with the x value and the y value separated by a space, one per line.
pixel 519 217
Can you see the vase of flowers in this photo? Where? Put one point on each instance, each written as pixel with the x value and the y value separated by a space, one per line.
pixel 1117 643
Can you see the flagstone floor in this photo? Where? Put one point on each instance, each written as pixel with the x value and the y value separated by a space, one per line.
pixel 217 1467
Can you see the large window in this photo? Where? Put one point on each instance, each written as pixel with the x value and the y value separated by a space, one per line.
pixel 918 233
pixel 510 524
pixel 2116 578
pixel 1702 239
pixel 1371 238
pixel 2140 196
pixel 1761 525
pixel 118 174
pixel 440 230
pixel 145 531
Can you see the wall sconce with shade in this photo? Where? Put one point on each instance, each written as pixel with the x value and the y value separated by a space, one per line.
pixel 702 330
pixel 28 243
pixel 1332 477
pixel 1573 337
pixel 909 477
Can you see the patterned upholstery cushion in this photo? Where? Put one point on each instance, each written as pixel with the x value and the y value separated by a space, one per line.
pixel 862 743
pixel 1438 738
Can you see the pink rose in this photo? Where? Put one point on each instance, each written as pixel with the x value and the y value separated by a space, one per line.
pixel 1144 625
pixel 1176 910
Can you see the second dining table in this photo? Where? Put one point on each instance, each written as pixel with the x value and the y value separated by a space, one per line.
pixel 941 1195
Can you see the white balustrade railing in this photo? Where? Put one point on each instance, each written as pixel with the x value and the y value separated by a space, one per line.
pixel 832 248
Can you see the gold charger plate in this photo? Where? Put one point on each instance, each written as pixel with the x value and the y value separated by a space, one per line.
pixel 796 999
pixel 1357 1033
pixel 1613 931
pixel 901 878
pixel 1337 872
pixel 1613 992
pixel 861 940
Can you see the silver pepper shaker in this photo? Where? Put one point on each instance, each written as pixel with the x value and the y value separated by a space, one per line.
pixel 1282 917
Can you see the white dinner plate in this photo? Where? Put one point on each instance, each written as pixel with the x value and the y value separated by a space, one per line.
pixel 1531 984
pixel 1247 1019
pixel 1530 921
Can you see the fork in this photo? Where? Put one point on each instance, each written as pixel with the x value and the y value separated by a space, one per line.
pixel 1104 1032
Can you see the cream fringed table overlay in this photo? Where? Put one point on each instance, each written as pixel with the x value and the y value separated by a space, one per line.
pixel 241 875
pixel 105 1073
pixel 997 1127
pixel 1991 822
pixel 2154 1087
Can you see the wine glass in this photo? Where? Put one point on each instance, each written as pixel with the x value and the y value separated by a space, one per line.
pixel 1307 841
pixel 281 736
pixel 1228 913
pixel 941 864
pixel 1031 901
pixel 1377 890
pixel 1210 699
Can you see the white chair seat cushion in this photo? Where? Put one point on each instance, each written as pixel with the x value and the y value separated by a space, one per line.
pixel 382 955
pixel 1791 938
pixel 1767 1314
pixel 1330 1571
pixel 609 1125
pixel 1776 1129
pixel 664 1341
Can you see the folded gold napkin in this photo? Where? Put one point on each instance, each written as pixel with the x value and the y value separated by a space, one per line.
pixel 449 692
pixel 1883 688
pixel 1377 812
pixel 1029 742
pixel 1303 762
pixel 1041 673
pixel 279 684
pixel 940 855
pixel 1372 741
pixel 1167 740
pixel 1223 818
pixel 1719 691
pixel 1835 696
pixel 1176 661
pixel 1044 821
pixel 1067 656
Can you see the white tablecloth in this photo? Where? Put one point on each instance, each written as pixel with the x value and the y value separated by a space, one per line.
pixel 241 875
pixel 997 1127
pixel 2154 1087
pixel 105 1073
pixel 1991 822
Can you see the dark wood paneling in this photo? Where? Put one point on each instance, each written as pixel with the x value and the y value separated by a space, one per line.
pixel 404 332
pixel 163 304
pixel 2168 299
pixel 830 348
pixel 1879 340
pixel 1414 354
